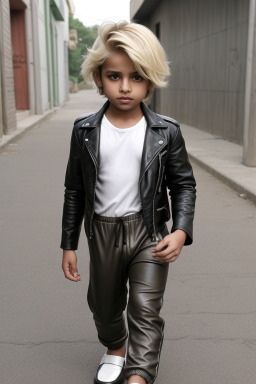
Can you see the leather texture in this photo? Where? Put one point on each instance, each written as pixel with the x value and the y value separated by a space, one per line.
pixel 111 268
pixel 164 165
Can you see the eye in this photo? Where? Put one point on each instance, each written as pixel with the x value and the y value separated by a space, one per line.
pixel 113 77
pixel 137 78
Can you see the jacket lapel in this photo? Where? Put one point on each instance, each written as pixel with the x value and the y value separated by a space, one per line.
pixel 154 141
pixel 92 125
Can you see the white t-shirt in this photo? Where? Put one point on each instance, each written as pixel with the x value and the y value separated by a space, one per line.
pixel 117 187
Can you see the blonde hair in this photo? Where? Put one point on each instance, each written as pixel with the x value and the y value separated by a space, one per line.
pixel 138 42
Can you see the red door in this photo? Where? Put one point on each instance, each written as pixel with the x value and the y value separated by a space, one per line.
pixel 19 59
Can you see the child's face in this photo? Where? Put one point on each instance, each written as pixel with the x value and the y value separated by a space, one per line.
pixel 121 83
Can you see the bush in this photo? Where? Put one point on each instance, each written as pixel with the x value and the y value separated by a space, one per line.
pixel 85 38
pixel 74 79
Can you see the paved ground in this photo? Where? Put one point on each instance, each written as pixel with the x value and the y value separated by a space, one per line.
pixel 47 333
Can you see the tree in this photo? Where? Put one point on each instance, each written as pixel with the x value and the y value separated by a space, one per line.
pixel 85 39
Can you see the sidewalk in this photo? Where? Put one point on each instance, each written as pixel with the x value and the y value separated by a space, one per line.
pixel 24 125
pixel 220 157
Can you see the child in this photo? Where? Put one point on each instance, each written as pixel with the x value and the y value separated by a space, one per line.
pixel 122 160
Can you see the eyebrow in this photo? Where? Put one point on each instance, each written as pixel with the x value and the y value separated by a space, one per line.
pixel 119 73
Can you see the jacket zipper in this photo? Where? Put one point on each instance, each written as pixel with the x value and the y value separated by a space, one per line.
pixel 161 180
pixel 154 237
pixel 161 171
pixel 94 191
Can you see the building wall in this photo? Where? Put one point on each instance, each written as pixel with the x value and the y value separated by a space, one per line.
pixel 206 42
pixel 44 75
pixel 8 120
pixel 46 36
pixel 1 94
pixel 57 36
pixel 135 5
pixel 1 109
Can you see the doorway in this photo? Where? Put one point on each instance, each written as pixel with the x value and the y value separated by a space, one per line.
pixel 19 50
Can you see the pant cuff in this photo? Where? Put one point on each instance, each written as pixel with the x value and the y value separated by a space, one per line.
pixel 116 344
pixel 139 372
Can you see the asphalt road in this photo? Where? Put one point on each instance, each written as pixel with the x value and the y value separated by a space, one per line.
pixel 47 334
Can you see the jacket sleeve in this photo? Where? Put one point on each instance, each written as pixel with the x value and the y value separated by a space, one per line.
pixel 181 184
pixel 74 197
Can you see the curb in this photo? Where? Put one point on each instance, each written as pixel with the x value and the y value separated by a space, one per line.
pixel 242 191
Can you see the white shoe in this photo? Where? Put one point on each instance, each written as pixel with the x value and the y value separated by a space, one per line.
pixel 110 370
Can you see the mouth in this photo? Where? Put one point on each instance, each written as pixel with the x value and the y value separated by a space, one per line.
pixel 125 99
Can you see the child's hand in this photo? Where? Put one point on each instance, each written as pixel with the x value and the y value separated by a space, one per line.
pixel 168 249
pixel 69 265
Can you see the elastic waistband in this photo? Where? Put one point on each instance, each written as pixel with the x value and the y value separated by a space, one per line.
pixel 105 219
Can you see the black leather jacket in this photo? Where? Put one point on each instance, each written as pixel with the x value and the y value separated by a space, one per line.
pixel 164 164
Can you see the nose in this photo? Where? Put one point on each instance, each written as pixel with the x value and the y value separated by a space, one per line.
pixel 125 85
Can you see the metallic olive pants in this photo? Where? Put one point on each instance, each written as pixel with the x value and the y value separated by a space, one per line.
pixel 120 251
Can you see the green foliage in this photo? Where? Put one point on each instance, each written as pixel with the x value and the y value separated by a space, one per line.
pixel 85 39
pixel 74 79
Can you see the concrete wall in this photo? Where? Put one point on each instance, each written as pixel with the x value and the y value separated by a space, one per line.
pixel 249 150
pixel 1 109
pixel 56 50
pixel 47 35
pixel 47 81
pixel 43 69
pixel 1 94
pixel 135 5
pixel 8 121
pixel 206 42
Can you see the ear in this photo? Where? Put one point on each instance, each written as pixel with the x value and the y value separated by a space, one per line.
pixel 98 81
